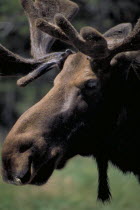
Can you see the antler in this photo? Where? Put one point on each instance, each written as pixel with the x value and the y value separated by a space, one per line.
pixel 46 9
pixel 49 19
pixel 56 62
pixel 90 41
pixel 130 43
pixel 12 64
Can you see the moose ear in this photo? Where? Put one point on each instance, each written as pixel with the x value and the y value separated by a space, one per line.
pixel 126 61
pixel 117 34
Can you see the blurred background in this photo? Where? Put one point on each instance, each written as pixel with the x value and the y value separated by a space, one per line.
pixel 75 186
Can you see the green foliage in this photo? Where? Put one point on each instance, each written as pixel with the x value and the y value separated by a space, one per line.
pixel 9 6
pixel 11 11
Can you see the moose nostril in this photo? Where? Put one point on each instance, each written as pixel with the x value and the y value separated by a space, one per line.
pixel 23 148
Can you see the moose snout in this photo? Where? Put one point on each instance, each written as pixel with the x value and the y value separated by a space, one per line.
pixel 17 178
pixel 15 169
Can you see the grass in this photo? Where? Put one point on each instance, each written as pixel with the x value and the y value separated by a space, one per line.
pixel 73 188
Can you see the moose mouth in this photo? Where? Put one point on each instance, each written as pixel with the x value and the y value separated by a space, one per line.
pixel 37 176
pixel 43 174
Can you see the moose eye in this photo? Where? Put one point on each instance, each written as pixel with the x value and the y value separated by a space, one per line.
pixel 91 84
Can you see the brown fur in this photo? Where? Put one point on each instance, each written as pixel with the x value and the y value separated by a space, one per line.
pixel 32 127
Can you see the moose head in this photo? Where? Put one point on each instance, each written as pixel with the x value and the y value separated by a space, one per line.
pixel 78 115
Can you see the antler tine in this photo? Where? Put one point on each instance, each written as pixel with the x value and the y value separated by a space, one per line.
pixel 130 43
pixel 56 62
pixel 52 30
pixel 89 41
pixel 46 10
pixel 13 65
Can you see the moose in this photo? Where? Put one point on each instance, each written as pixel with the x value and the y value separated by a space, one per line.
pixel 93 107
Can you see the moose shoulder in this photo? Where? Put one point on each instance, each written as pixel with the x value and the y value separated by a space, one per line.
pixel 93 107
